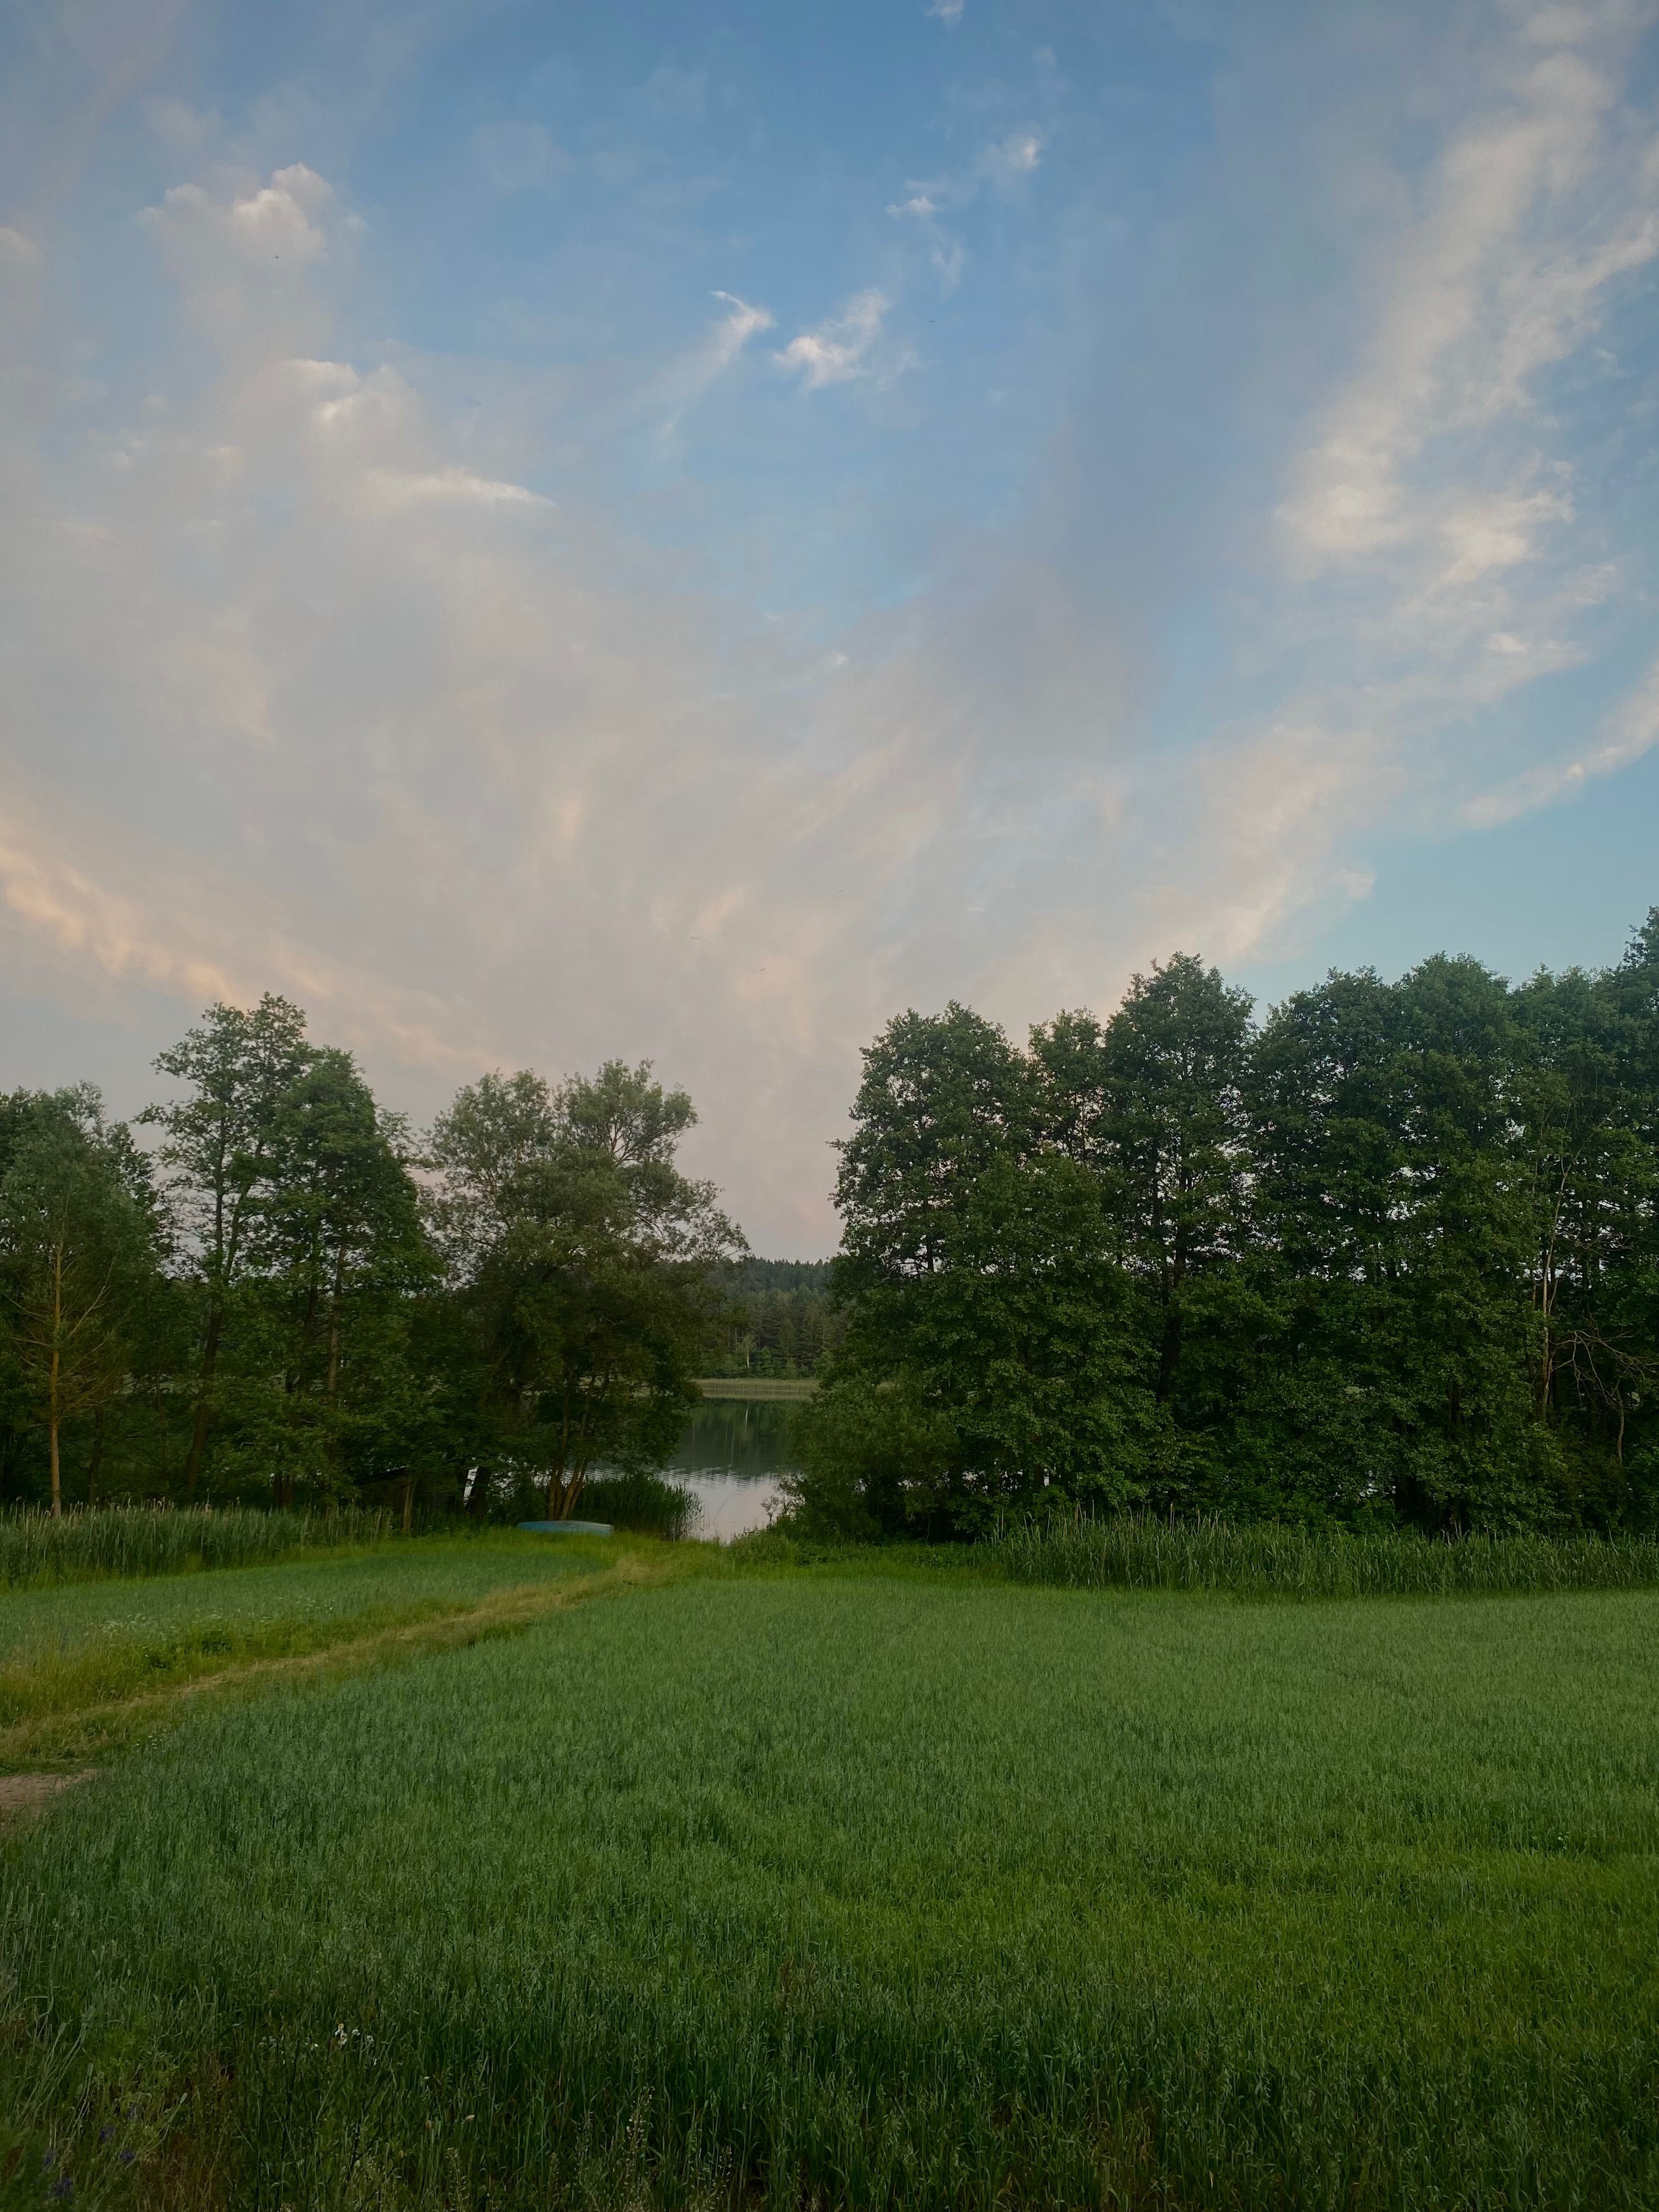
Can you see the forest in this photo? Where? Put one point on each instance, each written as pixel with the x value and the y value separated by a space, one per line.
pixel 785 1321
pixel 1387 1257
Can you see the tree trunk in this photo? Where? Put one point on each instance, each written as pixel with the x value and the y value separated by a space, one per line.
pixel 408 1503
pixel 1169 1354
pixel 96 1461
pixel 197 1452
pixel 54 1382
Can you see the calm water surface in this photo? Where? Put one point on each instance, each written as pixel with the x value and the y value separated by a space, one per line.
pixel 731 1456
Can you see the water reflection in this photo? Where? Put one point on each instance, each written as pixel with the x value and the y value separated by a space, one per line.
pixel 730 1457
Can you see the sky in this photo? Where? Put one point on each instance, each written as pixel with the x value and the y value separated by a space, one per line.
pixel 676 532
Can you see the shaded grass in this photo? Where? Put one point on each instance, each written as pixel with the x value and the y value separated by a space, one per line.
pixel 1273 1560
pixel 870 1893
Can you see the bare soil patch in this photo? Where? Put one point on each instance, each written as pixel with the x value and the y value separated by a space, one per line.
pixel 27 1793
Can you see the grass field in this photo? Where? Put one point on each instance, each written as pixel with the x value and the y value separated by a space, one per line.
pixel 897 1890
pixel 84 1667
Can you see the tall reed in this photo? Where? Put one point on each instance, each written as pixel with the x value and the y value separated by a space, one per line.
pixel 647 1504
pixel 1273 1560
pixel 136 1539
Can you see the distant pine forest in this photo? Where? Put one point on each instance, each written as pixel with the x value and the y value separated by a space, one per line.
pixel 786 1322
pixel 1385 1257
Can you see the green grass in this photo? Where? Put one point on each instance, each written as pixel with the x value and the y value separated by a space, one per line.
pixel 87 1646
pixel 1276 1560
pixel 133 1540
pixel 874 1892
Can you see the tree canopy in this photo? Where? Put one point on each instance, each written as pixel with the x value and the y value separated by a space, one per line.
pixel 1389 1257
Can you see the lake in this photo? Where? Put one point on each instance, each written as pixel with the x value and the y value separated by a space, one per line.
pixel 730 1458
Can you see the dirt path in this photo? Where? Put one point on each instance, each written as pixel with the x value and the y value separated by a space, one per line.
pixel 27 1793
pixel 94 1730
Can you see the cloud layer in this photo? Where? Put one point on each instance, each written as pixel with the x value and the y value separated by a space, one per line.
pixel 314 688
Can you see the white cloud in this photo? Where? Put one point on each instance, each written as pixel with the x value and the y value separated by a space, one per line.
pixel 1013 159
pixel 243 257
pixel 307 690
pixel 839 349
pixel 947 254
pixel 948 12
pixel 1430 534
pixel 1502 277
pixel 686 380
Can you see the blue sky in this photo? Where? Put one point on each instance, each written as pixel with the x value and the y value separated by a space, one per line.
pixel 678 531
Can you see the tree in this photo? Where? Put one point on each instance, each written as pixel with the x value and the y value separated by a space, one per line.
pixel 986 1305
pixel 587 1260
pixel 1392 1186
pixel 334 1250
pixel 79 1236
pixel 218 1152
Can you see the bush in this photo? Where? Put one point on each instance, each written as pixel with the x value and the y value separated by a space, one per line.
pixel 874 1461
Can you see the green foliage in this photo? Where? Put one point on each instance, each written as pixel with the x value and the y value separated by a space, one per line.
pixel 79 1254
pixel 269 1306
pixel 986 1307
pixel 788 1890
pixel 1390 1260
pixel 586 1265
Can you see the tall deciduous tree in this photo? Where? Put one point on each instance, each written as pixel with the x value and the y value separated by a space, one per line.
pixel 78 1240
pixel 985 1343
pixel 337 1250
pixel 587 1261
pixel 238 1066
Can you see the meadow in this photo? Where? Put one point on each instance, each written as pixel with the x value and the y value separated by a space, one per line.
pixel 86 1668
pixel 912 1888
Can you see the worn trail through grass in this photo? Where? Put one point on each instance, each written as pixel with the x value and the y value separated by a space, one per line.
pixel 87 1668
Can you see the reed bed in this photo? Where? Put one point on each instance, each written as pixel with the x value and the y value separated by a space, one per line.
pixel 828 1892
pixel 120 1540
pixel 644 1504
pixel 1276 1560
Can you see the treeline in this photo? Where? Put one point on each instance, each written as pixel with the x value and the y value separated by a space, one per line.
pixel 285 1295
pixel 1388 1258
pixel 784 1322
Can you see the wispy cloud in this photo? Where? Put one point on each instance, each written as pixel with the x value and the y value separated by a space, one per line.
pixel 685 380
pixel 948 12
pixel 1630 731
pixel 444 714
pixel 1013 159
pixel 838 349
